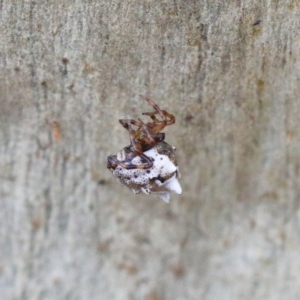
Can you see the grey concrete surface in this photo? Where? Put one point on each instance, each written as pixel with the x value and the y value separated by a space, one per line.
pixel 228 70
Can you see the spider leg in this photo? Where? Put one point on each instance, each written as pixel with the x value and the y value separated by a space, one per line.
pixel 125 122
pixel 137 152
pixel 154 105
pixel 170 116
pixel 147 159
pixel 136 146
pixel 163 114
pixel 151 115
pixel 151 140
pixel 113 162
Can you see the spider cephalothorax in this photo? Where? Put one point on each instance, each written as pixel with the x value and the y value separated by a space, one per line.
pixel 148 164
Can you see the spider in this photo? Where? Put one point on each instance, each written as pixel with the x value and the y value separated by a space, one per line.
pixel 143 138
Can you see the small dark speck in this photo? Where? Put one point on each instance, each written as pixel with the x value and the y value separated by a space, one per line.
pixel 162 180
pixel 148 171
pixel 161 158
pixel 188 118
pixel 17 69
pixel 256 23
pixel 135 176
pixel 101 182
pixel 212 53
pixel 65 60
pixel 44 83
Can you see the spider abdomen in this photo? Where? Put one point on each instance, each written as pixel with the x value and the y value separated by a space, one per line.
pixel 161 178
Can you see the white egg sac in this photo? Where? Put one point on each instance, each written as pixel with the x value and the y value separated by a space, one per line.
pixel 161 178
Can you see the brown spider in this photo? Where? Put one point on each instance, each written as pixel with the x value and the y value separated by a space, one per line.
pixel 143 138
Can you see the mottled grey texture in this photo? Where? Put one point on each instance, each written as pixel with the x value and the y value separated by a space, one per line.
pixel 228 70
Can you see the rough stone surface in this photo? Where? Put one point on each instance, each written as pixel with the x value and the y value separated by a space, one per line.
pixel 228 70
